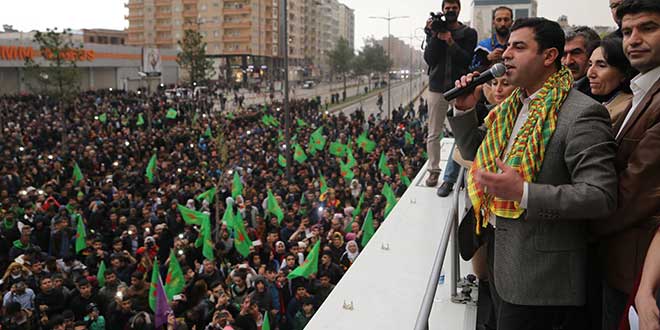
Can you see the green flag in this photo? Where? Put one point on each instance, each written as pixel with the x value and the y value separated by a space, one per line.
pixel 103 118
pixel 349 225
pixel 280 136
pixel 236 186
pixel 323 186
pixel 409 138
pixel 382 165
pixel 171 113
pixel 274 208
pixel 228 217
pixel 350 160
pixel 242 242
pixel 358 209
pixel 208 133
pixel 100 274
pixel 174 281
pixel 366 144
pixel 338 149
pixel 310 266
pixel 367 228
pixel 403 176
pixel 230 116
pixel 77 174
pixel 80 236
pixel 281 160
pixel 191 216
pixel 151 169
pixel 301 123
pixel 208 195
pixel 390 197
pixel 205 240
pixel 299 154
pixel 346 171
pixel 140 120
pixel 317 140
pixel 155 276
pixel 266 325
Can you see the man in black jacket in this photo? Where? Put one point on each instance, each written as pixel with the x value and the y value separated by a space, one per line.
pixel 448 55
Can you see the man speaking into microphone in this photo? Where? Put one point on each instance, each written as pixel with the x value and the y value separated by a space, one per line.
pixel 542 166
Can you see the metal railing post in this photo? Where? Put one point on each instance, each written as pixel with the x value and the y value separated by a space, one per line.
pixel 455 264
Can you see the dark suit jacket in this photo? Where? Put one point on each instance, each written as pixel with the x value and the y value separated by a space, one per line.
pixel 540 258
pixel 627 233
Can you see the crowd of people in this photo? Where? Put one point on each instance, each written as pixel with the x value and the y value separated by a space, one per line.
pixel 83 164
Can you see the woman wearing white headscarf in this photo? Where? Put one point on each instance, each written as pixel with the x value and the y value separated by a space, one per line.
pixel 348 258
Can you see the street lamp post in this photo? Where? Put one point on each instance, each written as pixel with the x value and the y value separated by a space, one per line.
pixel 287 112
pixel 389 18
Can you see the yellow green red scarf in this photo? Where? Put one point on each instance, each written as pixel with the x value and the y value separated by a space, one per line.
pixel 526 155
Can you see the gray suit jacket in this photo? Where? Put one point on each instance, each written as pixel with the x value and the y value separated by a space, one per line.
pixel 540 258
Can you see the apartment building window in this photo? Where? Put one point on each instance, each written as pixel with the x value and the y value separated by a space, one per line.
pixel 91 39
pixel 216 33
pixel 203 7
pixel 216 4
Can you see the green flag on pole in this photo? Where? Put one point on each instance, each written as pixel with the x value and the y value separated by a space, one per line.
pixel 191 216
pixel 171 113
pixel 301 123
pixel 367 145
pixel 390 197
pixel 174 281
pixel 236 186
pixel 151 169
pixel 350 159
pixel 100 274
pixel 155 276
pixel 382 165
pixel 403 176
pixel 77 174
pixel 323 186
pixel 367 228
pixel 140 120
pixel 228 217
pixel 346 171
pixel 208 133
pixel 338 149
pixel 81 244
pixel 299 154
pixel 281 160
pixel 208 195
pixel 310 266
pixel 409 138
pixel 317 140
pixel 103 118
pixel 358 209
pixel 274 208
pixel 242 242
pixel 266 325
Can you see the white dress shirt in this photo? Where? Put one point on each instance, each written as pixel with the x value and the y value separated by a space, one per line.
pixel 640 85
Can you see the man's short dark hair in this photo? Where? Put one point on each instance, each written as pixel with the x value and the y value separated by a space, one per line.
pixel 548 34
pixel 629 7
pixel 502 8
pixel 458 2
pixel 587 33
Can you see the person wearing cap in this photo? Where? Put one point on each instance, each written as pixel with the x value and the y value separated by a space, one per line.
pixel 95 320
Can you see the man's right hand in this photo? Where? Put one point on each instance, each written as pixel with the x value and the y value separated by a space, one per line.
pixel 495 55
pixel 469 100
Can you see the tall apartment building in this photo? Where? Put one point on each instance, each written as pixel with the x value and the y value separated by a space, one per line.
pixel 243 36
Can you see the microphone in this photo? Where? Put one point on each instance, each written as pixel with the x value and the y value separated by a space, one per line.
pixel 495 71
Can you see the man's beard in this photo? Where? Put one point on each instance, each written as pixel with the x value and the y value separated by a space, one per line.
pixel 502 32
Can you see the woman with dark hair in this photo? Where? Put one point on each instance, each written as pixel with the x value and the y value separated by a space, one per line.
pixel 609 76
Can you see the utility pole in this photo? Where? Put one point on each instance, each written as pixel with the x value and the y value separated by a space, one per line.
pixel 287 112
pixel 389 19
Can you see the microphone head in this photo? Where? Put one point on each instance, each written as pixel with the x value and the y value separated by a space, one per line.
pixel 497 70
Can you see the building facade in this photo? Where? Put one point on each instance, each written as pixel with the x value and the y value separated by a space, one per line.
pixel 104 36
pixel 482 13
pixel 244 36
pixel 100 66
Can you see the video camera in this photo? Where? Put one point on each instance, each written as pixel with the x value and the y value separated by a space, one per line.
pixel 439 22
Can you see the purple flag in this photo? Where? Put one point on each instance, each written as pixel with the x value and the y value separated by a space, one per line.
pixel 162 306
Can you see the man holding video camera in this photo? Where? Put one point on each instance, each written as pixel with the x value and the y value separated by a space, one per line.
pixel 449 50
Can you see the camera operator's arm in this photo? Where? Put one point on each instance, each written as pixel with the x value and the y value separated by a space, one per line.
pixel 434 51
pixel 461 51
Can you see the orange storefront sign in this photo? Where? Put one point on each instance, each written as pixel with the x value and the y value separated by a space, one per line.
pixel 10 53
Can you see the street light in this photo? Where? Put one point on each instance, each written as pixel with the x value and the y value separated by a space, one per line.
pixel 411 38
pixel 389 18
pixel 287 112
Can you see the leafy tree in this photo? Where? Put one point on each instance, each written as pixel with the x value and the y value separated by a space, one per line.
pixel 57 75
pixel 375 59
pixel 192 57
pixel 340 59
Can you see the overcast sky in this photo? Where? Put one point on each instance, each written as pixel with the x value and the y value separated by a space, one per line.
pixel 27 15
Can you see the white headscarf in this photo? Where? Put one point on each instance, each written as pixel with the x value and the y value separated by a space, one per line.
pixel 352 256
